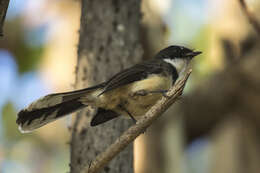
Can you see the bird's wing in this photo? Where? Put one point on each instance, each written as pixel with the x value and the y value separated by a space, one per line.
pixel 132 74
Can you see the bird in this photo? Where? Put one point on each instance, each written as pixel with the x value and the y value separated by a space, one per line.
pixel 129 93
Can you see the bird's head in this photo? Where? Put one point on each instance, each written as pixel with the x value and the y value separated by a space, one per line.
pixel 177 56
pixel 177 52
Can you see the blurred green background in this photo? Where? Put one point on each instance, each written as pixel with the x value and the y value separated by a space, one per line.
pixel 37 57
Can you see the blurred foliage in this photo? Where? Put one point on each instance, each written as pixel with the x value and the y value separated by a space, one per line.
pixel 9 117
pixel 30 148
pixel 34 152
pixel 27 55
pixel 201 42
pixel 12 133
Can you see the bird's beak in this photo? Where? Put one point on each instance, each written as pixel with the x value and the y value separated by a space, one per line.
pixel 193 54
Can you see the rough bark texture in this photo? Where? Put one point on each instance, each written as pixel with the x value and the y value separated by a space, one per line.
pixel 109 42
pixel 3 9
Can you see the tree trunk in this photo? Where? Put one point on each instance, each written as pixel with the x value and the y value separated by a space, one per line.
pixel 109 42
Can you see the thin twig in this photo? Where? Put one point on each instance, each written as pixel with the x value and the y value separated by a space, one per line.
pixel 3 9
pixel 251 18
pixel 129 136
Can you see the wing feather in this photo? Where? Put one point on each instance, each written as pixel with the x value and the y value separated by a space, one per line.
pixel 135 73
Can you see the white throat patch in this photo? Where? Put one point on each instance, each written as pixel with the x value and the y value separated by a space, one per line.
pixel 179 64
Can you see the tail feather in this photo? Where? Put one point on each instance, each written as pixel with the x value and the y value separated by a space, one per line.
pixel 50 108
pixel 29 120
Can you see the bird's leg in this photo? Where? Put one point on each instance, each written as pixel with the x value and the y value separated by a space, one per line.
pixel 145 92
pixel 163 92
pixel 90 163
pixel 141 93
pixel 130 115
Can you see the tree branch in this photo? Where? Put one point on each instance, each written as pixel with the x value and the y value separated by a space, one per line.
pixel 251 18
pixel 3 9
pixel 128 136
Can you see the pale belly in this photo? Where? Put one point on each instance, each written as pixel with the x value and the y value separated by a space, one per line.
pixel 124 97
pixel 139 105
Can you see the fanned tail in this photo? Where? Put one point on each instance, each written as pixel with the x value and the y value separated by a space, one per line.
pixel 50 108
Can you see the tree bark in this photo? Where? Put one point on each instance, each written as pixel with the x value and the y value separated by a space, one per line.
pixel 109 42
